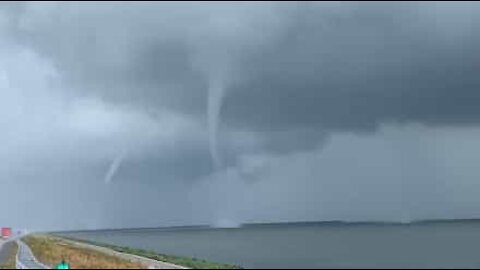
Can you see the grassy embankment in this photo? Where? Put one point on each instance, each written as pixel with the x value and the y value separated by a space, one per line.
pixel 50 251
pixel 192 263
pixel 10 263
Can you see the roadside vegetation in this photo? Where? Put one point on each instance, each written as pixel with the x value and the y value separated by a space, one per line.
pixel 192 263
pixel 10 262
pixel 51 250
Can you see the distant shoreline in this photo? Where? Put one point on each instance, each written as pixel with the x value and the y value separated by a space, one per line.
pixel 275 224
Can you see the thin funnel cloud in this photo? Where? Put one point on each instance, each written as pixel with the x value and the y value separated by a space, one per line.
pixel 113 169
pixel 216 92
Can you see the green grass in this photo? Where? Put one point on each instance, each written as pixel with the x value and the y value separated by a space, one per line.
pixel 51 250
pixel 10 263
pixel 193 263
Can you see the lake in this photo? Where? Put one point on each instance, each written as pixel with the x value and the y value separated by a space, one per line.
pixel 449 244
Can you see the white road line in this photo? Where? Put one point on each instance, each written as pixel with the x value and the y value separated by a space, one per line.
pixel 25 258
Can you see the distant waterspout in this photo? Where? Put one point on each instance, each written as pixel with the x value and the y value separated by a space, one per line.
pixel 226 223
pixel 114 167
pixel 216 92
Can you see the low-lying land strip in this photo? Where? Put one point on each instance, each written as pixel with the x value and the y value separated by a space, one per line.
pixel 176 261
pixel 50 249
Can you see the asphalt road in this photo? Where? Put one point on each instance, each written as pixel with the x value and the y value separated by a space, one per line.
pixel 5 249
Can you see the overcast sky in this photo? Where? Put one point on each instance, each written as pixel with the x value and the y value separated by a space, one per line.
pixel 155 114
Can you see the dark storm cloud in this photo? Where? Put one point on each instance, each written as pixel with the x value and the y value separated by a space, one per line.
pixel 343 66
pixel 83 83
pixel 300 70
pixel 381 64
